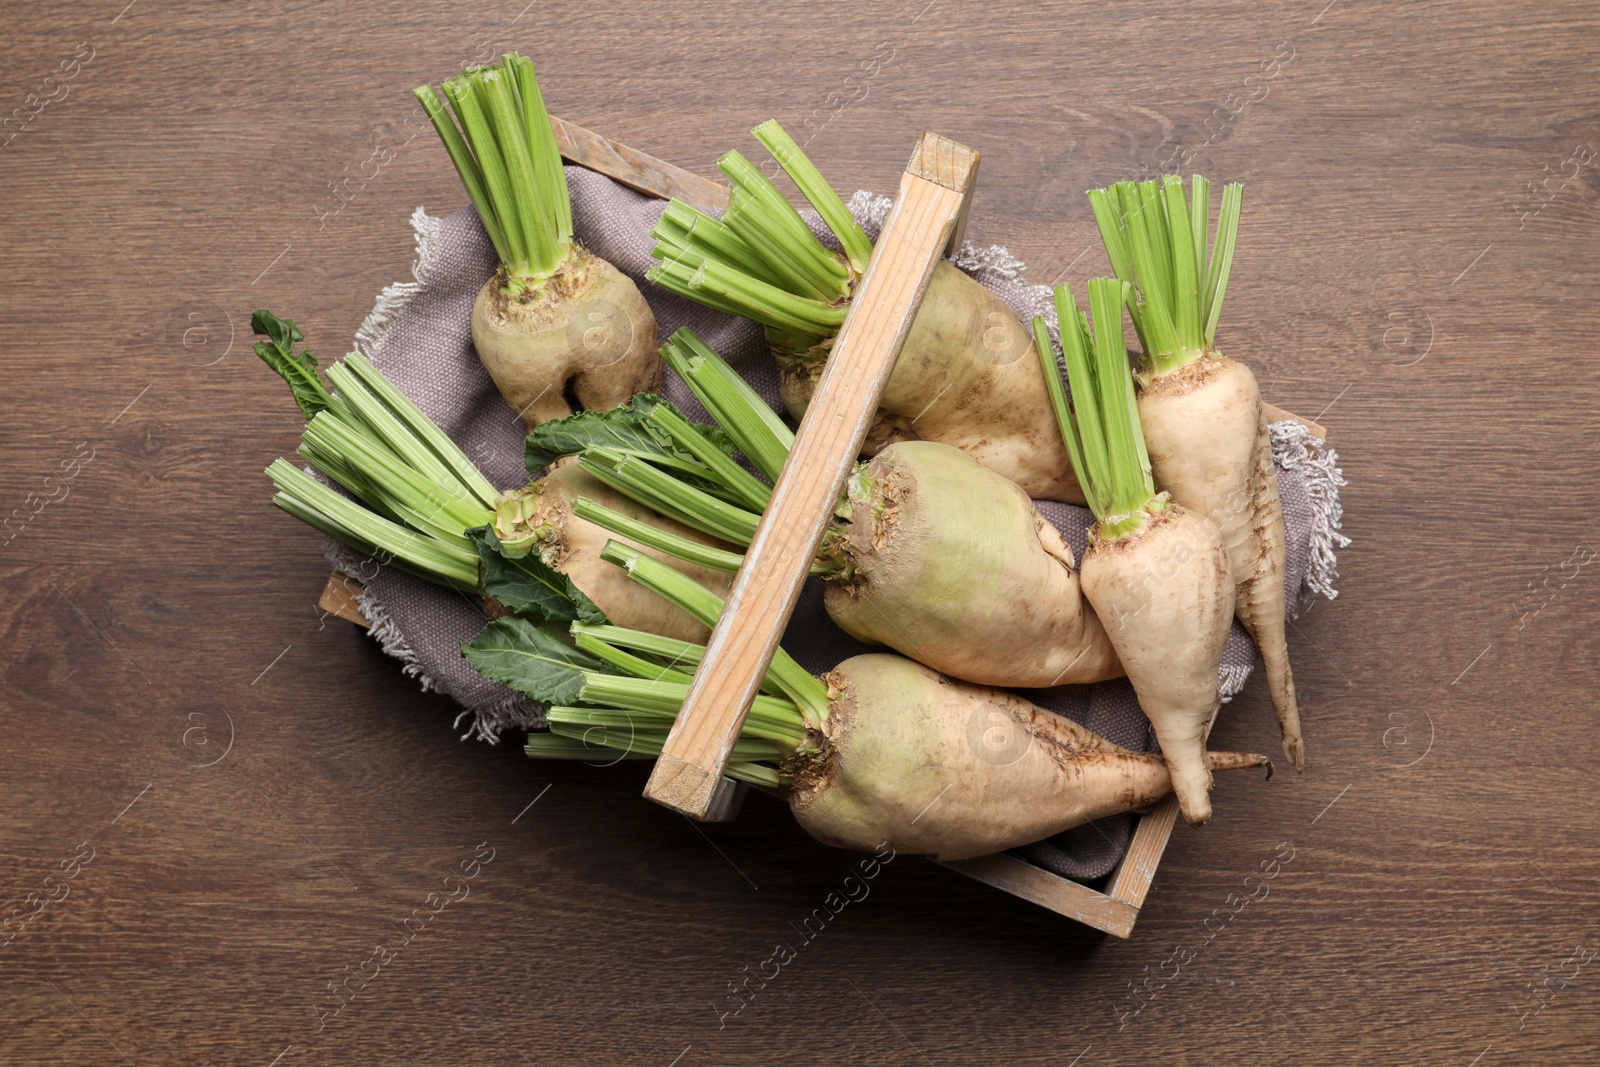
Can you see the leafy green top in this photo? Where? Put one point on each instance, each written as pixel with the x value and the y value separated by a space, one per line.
pixel 298 369
pixel 529 586
pixel 506 154
pixel 1100 427
pixel 628 428
pixel 1156 241
pixel 531 658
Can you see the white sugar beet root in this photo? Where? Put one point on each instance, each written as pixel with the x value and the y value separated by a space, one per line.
pixel 951 564
pixel 1209 447
pixel 584 339
pixel 902 757
pixel 1165 595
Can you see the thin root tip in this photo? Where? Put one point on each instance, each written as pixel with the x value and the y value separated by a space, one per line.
pixel 1234 761
pixel 1196 811
pixel 1295 749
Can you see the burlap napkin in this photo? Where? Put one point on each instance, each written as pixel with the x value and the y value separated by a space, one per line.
pixel 419 335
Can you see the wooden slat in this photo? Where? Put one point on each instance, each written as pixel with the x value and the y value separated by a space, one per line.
pixel 934 190
pixel 637 170
pixel 1117 909
pixel 339 598
pixel 1277 414
pixel 1131 882
pixel 1061 895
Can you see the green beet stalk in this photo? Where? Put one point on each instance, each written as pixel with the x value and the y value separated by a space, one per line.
pixel 575 735
pixel 627 704
pixel 761 435
pixel 416 493
pixel 810 695
pixel 717 559
pixel 760 260
pixel 348 522
pixel 743 485
pixel 755 429
pixel 637 478
pixel 815 188
pixel 503 147
pixel 1100 425
pixel 645 534
pixel 1155 239
pixel 665 651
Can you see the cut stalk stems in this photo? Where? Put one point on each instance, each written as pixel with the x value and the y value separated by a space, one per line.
pixel 770 718
pixel 750 490
pixel 690 228
pixel 626 662
pixel 642 532
pixel 1222 257
pixel 502 145
pixel 635 744
pixel 401 442
pixel 1156 240
pixel 635 477
pixel 371 533
pixel 800 287
pixel 797 684
pixel 423 429
pixel 668 649
pixel 755 428
pixel 759 205
pixel 680 548
pixel 496 181
pixel 471 174
pixel 815 188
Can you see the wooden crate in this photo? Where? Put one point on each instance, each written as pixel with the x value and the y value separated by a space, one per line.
pixel 937 162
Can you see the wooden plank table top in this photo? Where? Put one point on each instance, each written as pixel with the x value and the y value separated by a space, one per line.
pixel 241 805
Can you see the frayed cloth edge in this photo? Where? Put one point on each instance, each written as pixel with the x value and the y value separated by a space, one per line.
pixel 1295 447
pixel 394 298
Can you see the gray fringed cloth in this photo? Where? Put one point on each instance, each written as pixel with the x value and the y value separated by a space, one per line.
pixel 419 334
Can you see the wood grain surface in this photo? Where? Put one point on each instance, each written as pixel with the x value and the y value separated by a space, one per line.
pixel 241 803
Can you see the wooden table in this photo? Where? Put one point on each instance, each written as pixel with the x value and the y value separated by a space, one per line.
pixel 239 802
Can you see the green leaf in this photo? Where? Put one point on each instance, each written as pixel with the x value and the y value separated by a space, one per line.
pixel 628 428
pixel 299 369
pixel 531 587
pixel 531 659
pixel 283 332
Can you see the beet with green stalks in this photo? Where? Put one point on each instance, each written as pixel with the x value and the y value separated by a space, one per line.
pixel 557 327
